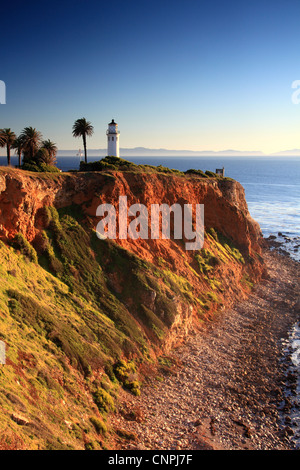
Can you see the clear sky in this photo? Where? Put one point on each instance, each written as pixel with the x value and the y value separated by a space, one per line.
pixel 191 74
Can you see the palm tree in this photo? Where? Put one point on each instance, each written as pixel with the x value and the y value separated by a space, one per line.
pixel 51 149
pixel 32 140
pixel 7 138
pixel 83 128
pixel 18 145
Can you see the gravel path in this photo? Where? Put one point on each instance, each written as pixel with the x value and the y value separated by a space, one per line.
pixel 227 385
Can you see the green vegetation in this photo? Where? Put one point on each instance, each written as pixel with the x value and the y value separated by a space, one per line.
pixel 211 173
pixel 104 401
pixel 40 167
pixel 125 372
pixel 108 163
pixel 111 163
pixel 99 425
pixel 38 155
pixel 7 139
pixel 25 247
pixel 197 173
pixel 119 164
pixel 206 261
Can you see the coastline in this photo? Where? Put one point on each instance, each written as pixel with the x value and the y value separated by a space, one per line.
pixel 227 389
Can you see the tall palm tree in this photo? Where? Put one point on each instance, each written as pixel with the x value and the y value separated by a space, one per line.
pixel 18 145
pixel 42 156
pixel 51 149
pixel 32 140
pixel 7 138
pixel 83 128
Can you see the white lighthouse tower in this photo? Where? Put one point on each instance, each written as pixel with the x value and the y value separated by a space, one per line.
pixel 112 139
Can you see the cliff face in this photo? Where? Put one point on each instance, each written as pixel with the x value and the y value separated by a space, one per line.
pixel 24 197
pixel 79 315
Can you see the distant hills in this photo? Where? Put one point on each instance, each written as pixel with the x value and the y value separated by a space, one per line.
pixel 148 152
pixel 290 153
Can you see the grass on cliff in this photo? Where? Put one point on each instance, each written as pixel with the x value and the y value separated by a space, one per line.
pixel 78 315
pixel 111 163
pixel 49 350
pixel 63 318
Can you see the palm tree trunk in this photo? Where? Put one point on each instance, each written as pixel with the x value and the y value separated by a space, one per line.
pixel 8 154
pixel 20 153
pixel 84 146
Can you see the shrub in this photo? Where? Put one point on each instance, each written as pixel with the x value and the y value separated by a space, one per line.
pixel 99 425
pixel 196 172
pixel 20 242
pixel 125 373
pixel 108 163
pixel 133 386
pixel 130 436
pixel 40 167
pixel 104 401
pixel 210 173
pixel 206 261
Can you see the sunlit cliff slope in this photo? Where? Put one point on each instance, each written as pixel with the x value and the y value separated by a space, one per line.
pixel 81 316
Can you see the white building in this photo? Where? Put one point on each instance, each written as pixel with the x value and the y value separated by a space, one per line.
pixel 112 139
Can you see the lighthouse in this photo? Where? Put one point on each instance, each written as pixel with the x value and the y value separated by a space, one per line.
pixel 112 139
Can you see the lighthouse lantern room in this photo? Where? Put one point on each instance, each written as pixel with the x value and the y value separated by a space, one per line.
pixel 112 139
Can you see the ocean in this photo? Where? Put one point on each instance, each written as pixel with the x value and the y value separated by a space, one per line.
pixel 272 189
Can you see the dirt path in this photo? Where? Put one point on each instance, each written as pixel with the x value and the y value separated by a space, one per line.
pixel 225 392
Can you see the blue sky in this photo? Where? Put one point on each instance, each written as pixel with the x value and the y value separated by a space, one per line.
pixel 198 75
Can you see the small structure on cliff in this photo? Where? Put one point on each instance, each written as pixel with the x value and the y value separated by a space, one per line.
pixel 112 139
pixel 220 171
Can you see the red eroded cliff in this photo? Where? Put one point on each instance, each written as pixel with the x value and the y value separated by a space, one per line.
pixel 24 194
pixel 217 275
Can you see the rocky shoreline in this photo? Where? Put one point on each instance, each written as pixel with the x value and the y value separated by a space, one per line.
pixel 226 387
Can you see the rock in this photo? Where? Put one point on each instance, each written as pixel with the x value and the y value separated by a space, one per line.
pixel 69 424
pixel 197 422
pixel 19 419
pixel 288 431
